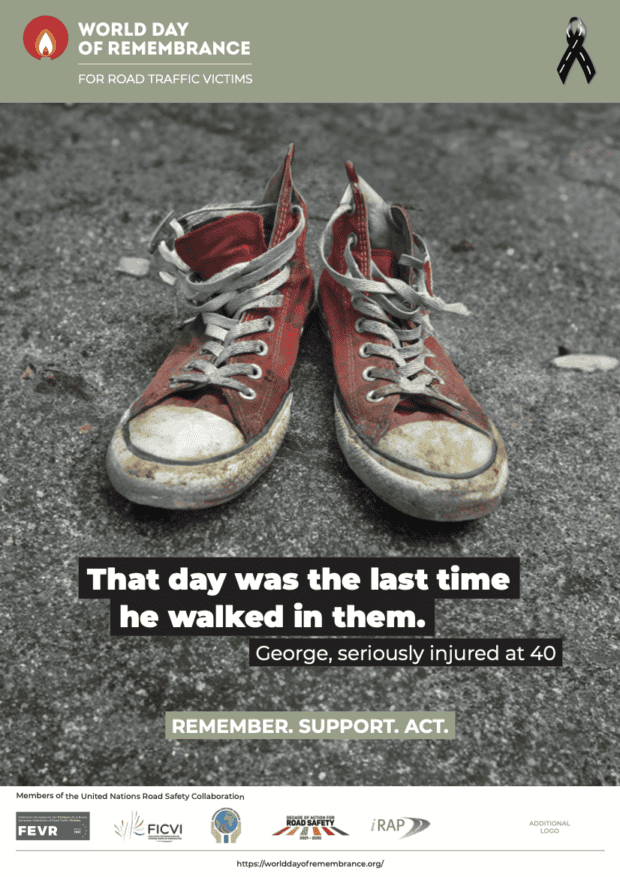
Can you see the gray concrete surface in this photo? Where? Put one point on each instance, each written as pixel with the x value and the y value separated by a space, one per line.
pixel 535 193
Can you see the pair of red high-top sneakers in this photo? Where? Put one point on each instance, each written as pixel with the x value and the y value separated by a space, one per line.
pixel 216 412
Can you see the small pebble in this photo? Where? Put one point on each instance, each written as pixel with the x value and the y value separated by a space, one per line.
pixel 585 362
pixel 135 267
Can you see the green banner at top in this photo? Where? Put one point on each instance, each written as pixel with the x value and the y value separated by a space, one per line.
pixel 325 51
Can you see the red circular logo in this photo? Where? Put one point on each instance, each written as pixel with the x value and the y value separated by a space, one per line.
pixel 46 37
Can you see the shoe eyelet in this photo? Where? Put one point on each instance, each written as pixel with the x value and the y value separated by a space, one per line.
pixel 351 210
pixel 263 349
pixel 363 353
pixel 370 397
pixel 358 326
pixel 270 323
pixel 188 367
pixel 366 374
pixel 352 239
pixel 256 373
pixel 250 394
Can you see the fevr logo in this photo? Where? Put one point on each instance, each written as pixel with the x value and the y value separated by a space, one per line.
pixel 37 830
pixel 46 37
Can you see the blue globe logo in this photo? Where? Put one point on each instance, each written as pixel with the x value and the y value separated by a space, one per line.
pixel 226 821
pixel 227 825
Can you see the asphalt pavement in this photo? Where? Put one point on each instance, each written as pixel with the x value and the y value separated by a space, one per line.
pixel 520 208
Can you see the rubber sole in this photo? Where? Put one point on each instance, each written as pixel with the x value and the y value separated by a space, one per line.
pixel 418 494
pixel 170 484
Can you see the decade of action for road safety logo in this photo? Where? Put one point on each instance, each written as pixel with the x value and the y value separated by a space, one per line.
pixel 310 827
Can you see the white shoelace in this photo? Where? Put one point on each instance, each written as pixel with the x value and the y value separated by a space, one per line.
pixel 388 303
pixel 222 301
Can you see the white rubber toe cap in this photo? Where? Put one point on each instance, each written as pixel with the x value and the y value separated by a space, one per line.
pixel 182 433
pixel 439 446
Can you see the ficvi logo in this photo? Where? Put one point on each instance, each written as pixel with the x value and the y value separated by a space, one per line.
pixel 46 37
pixel 164 832
pixel 127 829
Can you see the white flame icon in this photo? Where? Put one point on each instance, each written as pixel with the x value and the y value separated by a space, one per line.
pixel 45 43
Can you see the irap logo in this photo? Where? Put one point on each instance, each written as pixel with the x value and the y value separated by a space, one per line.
pixel 226 824
pixel 310 827
pixel 132 827
pixel 396 825
pixel 46 37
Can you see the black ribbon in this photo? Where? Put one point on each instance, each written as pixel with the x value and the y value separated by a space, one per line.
pixel 576 52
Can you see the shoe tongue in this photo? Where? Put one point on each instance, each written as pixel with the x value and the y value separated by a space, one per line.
pixel 386 262
pixel 224 242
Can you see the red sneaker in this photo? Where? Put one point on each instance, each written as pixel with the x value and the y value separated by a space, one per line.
pixel 216 412
pixel 406 423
